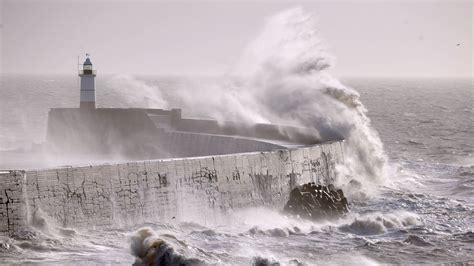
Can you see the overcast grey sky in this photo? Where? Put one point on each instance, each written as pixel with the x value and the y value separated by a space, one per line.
pixel 368 38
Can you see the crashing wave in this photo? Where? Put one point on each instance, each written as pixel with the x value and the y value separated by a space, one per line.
pixel 148 249
pixel 377 223
pixel 282 78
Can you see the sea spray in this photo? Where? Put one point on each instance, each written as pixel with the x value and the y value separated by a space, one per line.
pixel 289 78
pixel 282 78
pixel 134 93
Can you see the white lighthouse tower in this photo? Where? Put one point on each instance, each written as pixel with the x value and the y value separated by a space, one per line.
pixel 87 75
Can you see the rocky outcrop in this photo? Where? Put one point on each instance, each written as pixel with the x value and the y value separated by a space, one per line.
pixel 311 201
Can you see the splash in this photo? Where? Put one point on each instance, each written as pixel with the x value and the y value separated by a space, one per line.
pixel 40 221
pixel 286 69
pixel 132 92
pixel 151 250
pixel 379 223
pixel 283 79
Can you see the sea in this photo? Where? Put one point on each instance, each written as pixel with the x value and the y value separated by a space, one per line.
pixel 422 214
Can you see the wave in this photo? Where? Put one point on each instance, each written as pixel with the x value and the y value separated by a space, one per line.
pixel 275 232
pixel 149 249
pixel 417 241
pixel 415 142
pixel 205 233
pixel 467 237
pixel 379 223
pixel 262 222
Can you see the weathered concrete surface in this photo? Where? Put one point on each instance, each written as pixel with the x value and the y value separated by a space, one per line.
pixel 12 202
pixel 162 189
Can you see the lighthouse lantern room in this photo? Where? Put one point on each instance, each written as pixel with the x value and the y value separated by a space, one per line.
pixel 87 75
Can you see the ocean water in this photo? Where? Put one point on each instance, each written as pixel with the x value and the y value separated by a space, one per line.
pixel 423 213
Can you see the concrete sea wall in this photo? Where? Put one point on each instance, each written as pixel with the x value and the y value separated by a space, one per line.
pixel 185 144
pixel 132 134
pixel 127 193
pixel 13 213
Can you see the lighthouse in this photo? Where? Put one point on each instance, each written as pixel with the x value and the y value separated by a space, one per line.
pixel 87 75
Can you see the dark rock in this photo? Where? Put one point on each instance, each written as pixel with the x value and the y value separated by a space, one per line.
pixel 311 201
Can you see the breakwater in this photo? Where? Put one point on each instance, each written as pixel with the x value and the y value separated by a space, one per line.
pixel 128 193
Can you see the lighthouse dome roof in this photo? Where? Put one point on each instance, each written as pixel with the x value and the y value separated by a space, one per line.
pixel 88 61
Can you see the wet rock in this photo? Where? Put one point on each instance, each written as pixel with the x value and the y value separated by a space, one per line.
pixel 311 201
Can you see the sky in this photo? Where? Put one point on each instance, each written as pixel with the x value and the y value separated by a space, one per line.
pixel 368 38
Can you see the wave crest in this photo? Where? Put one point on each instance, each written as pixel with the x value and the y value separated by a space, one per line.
pixel 151 250
pixel 375 224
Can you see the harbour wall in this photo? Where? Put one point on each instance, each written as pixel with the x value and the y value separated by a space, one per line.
pixel 133 135
pixel 181 189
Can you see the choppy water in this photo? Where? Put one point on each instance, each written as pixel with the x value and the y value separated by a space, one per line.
pixel 425 214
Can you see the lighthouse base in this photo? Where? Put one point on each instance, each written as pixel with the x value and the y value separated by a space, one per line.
pixel 87 105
